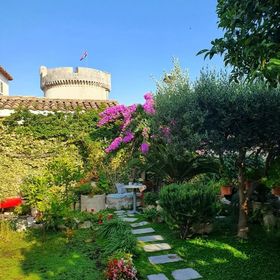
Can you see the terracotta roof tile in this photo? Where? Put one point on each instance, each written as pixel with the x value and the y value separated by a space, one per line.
pixel 5 74
pixel 47 104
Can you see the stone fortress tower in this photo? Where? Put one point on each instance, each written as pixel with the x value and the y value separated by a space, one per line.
pixel 75 83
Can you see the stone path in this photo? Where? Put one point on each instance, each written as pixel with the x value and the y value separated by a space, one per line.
pixel 185 274
pixel 156 247
pixel 149 238
pixel 130 220
pixel 144 223
pixel 160 276
pixel 179 274
pixel 142 230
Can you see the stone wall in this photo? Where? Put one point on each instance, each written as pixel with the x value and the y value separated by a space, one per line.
pixel 75 83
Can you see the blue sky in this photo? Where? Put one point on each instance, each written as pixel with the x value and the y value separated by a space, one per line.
pixel 133 40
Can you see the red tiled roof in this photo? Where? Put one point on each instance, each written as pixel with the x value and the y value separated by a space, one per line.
pixel 47 104
pixel 5 74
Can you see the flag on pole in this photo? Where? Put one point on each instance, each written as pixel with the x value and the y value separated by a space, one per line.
pixel 83 56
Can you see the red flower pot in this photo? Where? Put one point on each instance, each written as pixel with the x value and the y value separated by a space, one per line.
pixel 276 191
pixel 10 202
pixel 226 190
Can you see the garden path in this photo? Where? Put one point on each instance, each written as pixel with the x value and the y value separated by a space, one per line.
pixel 140 228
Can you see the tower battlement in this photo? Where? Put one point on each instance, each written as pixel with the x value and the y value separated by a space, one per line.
pixel 75 83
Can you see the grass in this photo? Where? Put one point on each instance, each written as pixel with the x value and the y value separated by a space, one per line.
pixel 221 256
pixel 33 257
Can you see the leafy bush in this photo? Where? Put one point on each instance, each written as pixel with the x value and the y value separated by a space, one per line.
pixel 121 269
pixel 83 189
pixel 34 189
pixel 151 214
pixel 185 205
pixel 116 236
pixel 150 198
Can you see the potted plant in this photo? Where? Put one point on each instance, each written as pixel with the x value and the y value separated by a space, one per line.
pixel 226 187
pixel 273 178
pixel 93 194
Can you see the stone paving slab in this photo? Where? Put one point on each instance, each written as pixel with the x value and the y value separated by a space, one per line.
pixel 144 223
pixel 185 274
pixel 169 258
pixel 156 247
pixel 142 230
pixel 130 215
pixel 160 276
pixel 120 212
pixel 149 238
pixel 129 220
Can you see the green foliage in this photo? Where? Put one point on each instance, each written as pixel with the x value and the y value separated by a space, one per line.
pixel 151 214
pixel 165 163
pixel 22 155
pixel 251 40
pixel 34 190
pixel 83 189
pixel 116 236
pixel 187 204
pixel 273 177
pixel 60 125
pixel 150 198
pixel 103 183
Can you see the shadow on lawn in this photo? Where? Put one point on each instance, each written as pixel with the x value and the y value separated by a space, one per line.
pixel 220 256
pixel 51 256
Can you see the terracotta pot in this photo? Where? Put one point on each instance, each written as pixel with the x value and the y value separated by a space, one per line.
pixel 226 190
pixel 276 191
pixel 248 184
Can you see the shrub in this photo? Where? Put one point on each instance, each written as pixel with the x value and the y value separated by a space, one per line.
pixel 186 205
pixel 121 269
pixel 116 236
pixel 83 189
pixel 151 214
pixel 150 198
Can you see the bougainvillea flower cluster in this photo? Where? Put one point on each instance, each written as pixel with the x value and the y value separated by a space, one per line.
pixel 149 106
pixel 127 115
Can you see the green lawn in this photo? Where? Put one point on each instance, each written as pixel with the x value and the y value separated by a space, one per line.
pixel 34 257
pixel 220 256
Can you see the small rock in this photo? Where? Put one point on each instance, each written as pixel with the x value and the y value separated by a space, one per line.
pixel 84 225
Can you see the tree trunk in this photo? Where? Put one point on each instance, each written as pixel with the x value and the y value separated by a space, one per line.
pixel 243 198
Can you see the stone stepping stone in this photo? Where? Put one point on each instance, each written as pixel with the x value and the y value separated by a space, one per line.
pixel 185 274
pixel 169 258
pixel 150 238
pixel 156 247
pixel 129 220
pixel 160 276
pixel 118 212
pixel 142 230
pixel 131 215
pixel 144 223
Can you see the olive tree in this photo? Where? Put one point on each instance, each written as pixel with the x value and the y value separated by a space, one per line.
pixel 235 118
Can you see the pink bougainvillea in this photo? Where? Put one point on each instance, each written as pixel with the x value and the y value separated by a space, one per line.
pixel 149 105
pixel 144 148
pixel 128 117
pixel 129 136
pixel 114 145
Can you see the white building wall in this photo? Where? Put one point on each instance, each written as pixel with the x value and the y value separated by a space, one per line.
pixel 4 86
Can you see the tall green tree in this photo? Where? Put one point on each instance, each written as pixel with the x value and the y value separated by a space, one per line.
pixel 236 118
pixel 251 42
